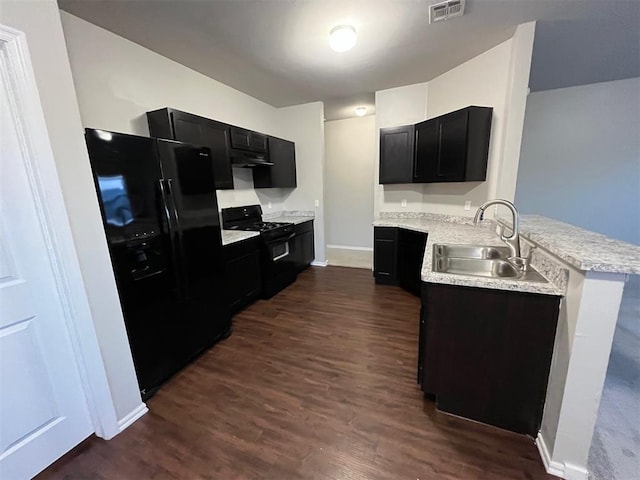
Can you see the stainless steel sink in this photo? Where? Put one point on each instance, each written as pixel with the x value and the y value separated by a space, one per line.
pixel 476 267
pixel 480 261
pixel 471 251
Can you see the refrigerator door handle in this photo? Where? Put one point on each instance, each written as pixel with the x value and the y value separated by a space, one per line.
pixel 165 206
pixel 175 209
pixel 174 250
pixel 178 247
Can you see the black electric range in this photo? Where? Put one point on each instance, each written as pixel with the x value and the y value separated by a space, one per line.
pixel 278 265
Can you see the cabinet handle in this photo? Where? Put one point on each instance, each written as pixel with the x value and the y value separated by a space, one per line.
pixel 439 149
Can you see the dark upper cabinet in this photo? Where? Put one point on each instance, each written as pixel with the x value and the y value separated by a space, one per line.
pixel 244 139
pixel 396 154
pixel 453 147
pixel 282 153
pixel 185 127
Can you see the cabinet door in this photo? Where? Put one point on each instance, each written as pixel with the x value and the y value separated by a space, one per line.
pixel 452 156
pixel 216 137
pixel 488 353
pixel 200 131
pixel 427 140
pixel 410 256
pixel 242 274
pixel 385 255
pixel 282 174
pixel 258 142
pixel 308 252
pixel 396 154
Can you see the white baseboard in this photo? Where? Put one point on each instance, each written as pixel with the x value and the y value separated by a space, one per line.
pixel 316 263
pixel 132 416
pixel 347 247
pixel 564 470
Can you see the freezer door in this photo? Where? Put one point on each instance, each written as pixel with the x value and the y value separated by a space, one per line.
pixel 189 183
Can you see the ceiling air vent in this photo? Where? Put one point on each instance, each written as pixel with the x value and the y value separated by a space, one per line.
pixel 445 10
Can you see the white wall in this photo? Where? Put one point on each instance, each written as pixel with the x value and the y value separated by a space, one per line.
pixel 118 81
pixel 496 78
pixel 580 159
pixel 304 124
pixel 41 23
pixel 349 165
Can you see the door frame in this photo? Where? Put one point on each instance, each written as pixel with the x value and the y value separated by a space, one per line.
pixel 28 117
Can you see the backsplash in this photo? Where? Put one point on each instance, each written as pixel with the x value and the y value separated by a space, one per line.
pixel 437 217
pixel 288 213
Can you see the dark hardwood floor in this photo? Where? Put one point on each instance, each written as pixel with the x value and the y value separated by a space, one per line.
pixel 316 383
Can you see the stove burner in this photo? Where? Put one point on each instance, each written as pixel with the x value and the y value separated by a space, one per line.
pixel 259 226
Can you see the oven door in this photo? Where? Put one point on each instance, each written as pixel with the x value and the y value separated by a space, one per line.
pixel 280 256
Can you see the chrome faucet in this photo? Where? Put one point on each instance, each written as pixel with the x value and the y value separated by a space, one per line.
pixel 513 240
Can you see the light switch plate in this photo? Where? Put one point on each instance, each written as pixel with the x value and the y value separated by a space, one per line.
pixel 467 205
pixel 404 203
pixel 317 203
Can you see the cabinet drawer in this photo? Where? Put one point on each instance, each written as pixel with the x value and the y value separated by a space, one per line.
pixel 301 228
pixel 385 233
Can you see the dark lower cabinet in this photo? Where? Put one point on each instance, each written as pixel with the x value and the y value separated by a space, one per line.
pixel 411 246
pixel 385 255
pixel 485 354
pixel 243 284
pixel 397 257
pixel 303 245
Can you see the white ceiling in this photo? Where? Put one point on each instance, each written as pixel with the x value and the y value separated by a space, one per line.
pixel 278 52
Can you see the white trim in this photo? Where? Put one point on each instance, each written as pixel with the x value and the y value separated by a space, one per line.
pixel 567 471
pixel 317 263
pixel 552 468
pixel 40 164
pixel 131 417
pixel 347 247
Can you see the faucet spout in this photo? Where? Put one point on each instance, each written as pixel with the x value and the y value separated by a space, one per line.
pixel 513 240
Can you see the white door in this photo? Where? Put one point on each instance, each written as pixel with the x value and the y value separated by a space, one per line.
pixel 43 409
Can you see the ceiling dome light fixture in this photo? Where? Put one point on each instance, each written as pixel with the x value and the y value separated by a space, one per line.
pixel 342 38
pixel 361 111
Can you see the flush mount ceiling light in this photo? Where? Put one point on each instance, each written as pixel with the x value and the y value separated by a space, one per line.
pixel 361 111
pixel 342 38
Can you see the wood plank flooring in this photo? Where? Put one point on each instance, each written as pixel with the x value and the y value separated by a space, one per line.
pixel 316 383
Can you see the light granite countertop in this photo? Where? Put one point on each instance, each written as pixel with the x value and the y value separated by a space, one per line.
pixel 233 236
pixel 580 248
pixel 463 232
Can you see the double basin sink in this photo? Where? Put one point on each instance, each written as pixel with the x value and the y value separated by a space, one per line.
pixel 480 261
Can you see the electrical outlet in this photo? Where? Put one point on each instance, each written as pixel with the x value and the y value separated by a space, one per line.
pixel 404 203
pixel 269 205
pixel 467 205
pixel 317 203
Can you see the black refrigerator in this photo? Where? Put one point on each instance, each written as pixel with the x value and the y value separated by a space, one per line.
pixel 160 215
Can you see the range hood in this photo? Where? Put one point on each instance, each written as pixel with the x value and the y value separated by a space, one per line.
pixel 249 159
